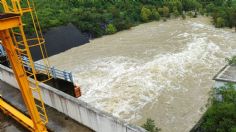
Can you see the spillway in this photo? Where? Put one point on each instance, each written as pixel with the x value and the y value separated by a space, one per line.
pixel 161 70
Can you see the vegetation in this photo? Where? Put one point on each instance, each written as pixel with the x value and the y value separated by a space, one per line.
pixel 100 17
pixel 110 29
pixel 221 115
pixel 231 61
pixel 94 16
pixel 223 12
pixel 150 126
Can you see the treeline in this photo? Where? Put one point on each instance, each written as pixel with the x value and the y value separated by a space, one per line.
pixel 100 17
pixel 221 115
pixel 223 12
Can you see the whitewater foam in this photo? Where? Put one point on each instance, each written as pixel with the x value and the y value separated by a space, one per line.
pixel 163 71
pixel 122 85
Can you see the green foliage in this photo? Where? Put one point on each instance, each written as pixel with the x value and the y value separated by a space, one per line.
pixel 220 22
pixel 189 5
pixel 155 15
pixel 222 113
pixel 92 16
pixel 145 14
pixel 110 29
pixel 166 11
pixel 190 14
pixel 150 126
pixel 231 61
pixel 223 12
pixel 195 14
pixel 183 16
pixel 176 12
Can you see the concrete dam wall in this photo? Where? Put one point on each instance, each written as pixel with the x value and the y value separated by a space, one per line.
pixel 74 108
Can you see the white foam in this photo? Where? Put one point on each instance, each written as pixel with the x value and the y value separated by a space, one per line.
pixel 123 86
pixel 196 25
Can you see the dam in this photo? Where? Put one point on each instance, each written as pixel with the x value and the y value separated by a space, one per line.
pixel 161 70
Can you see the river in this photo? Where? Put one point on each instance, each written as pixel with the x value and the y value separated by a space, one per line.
pixel 158 70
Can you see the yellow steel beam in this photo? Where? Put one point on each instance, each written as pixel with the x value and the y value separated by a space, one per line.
pixel 10 23
pixel 17 115
pixel 10 20
pixel 22 80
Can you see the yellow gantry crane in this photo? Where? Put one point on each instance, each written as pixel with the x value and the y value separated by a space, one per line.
pixel 18 46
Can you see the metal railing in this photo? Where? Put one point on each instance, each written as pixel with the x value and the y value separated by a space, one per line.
pixel 2 51
pixel 55 73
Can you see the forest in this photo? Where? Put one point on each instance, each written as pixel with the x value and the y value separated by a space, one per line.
pixel 101 17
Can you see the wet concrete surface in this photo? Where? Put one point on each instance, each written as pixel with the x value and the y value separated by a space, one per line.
pixel 227 74
pixel 7 124
pixel 58 122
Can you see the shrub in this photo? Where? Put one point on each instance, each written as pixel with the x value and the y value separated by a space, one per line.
pixel 221 115
pixel 145 14
pixel 155 15
pixel 183 16
pixel 166 11
pixel 176 13
pixel 220 22
pixel 110 29
pixel 231 61
pixel 150 126
pixel 195 14
pixel 190 14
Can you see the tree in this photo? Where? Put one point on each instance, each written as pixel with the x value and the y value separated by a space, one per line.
pixel 221 115
pixel 220 22
pixel 183 16
pixel 155 15
pixel 231 61
pixel 189 5
pixel 166 11
pixel 219 2
pixel 195 14
pixel 234 19
pixel 91 16
pixel 110 29
pixel 145 14
pixel 176 12
pixel 150 126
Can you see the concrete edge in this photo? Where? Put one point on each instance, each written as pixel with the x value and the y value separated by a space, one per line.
pixel 84 104
pixel 218 78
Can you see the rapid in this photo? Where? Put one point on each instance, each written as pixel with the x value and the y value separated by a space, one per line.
pixel 158 70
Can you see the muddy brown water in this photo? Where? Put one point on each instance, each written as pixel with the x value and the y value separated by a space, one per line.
pixel 161 70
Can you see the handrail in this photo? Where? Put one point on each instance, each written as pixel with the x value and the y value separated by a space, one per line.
pixel 2 51
pixel 55 73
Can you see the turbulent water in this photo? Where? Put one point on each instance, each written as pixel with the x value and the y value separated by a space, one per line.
pixel 161 70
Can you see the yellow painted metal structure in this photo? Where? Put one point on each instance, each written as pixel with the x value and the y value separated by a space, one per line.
pixel 17 115
pixel 18 46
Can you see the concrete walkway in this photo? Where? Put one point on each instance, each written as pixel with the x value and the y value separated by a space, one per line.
pixel 9 125
pixel 227 74
pixel 58 122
